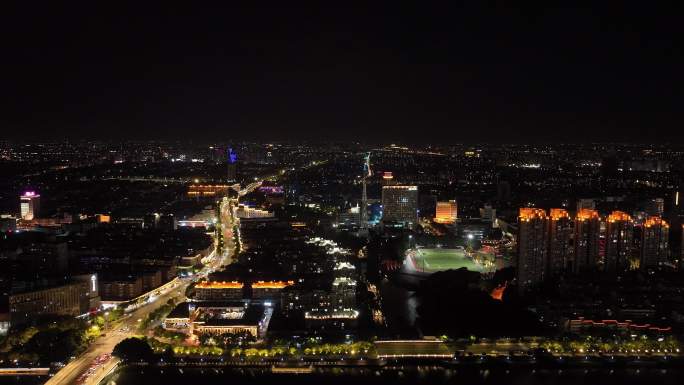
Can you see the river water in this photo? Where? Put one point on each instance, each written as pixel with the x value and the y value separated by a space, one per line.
pixel 399 305
pixel 396 376
pixel 428 375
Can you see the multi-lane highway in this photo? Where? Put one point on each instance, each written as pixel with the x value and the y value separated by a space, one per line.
pixel 250 187
pixel 128 327
pixel 119 330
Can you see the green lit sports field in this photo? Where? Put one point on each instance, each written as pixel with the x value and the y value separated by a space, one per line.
pixel 431 260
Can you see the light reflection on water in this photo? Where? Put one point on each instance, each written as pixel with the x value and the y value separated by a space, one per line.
pixel 399 306
pixel 399 375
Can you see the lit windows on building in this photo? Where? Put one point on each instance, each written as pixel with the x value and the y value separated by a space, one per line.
pixel 446 212
pixel 29 205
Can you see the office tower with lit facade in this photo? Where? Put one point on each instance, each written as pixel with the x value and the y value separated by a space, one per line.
pixel 70 299
pixel 446 212
pixel 561 249
pixel 655 207
pixel 619 238
pixel 400 205
pixel 586 204
pixel 219 290
pixel 654 243
pixel 532 247
pixel 29 205
pixel 488 213
pixel 232 161
pixel 269 290
pixel 587 236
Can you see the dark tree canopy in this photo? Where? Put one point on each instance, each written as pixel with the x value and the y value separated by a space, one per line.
pixel 133 349
pixel 453 303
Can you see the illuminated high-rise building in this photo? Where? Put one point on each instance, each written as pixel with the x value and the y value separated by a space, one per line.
pixel 29 205
pixel 232 164
pixel 71 299
pixel 387 178
pixel 400 204
pixel 587 236
pixel 655 207
pixel 619 238
pixel 586 204
pixel 350 218
pixel 488 213
pixel 532 247
pixel 446 212
pixel 654 243
pixel 561 250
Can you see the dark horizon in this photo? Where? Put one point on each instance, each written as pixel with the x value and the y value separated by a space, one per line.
pixel 381 73
pixel 417 143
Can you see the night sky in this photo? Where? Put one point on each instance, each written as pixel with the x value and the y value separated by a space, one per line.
pixel 387 72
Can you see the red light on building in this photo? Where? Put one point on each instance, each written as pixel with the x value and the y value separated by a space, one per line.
pixel 498 292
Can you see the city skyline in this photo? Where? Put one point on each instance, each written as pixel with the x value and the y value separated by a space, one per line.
pixel 300 257
pixel 381 193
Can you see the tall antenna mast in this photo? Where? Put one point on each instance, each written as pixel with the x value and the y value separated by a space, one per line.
pixel 364 197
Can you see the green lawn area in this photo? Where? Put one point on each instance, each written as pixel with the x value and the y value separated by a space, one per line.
pixel 443 259
pixel 417 348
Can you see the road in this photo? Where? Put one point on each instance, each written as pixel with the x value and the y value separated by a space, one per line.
pixel 125 328
pixel 250 187
pixel 118 331
pixel 227 226
pixel 103 371
pixel 258 181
